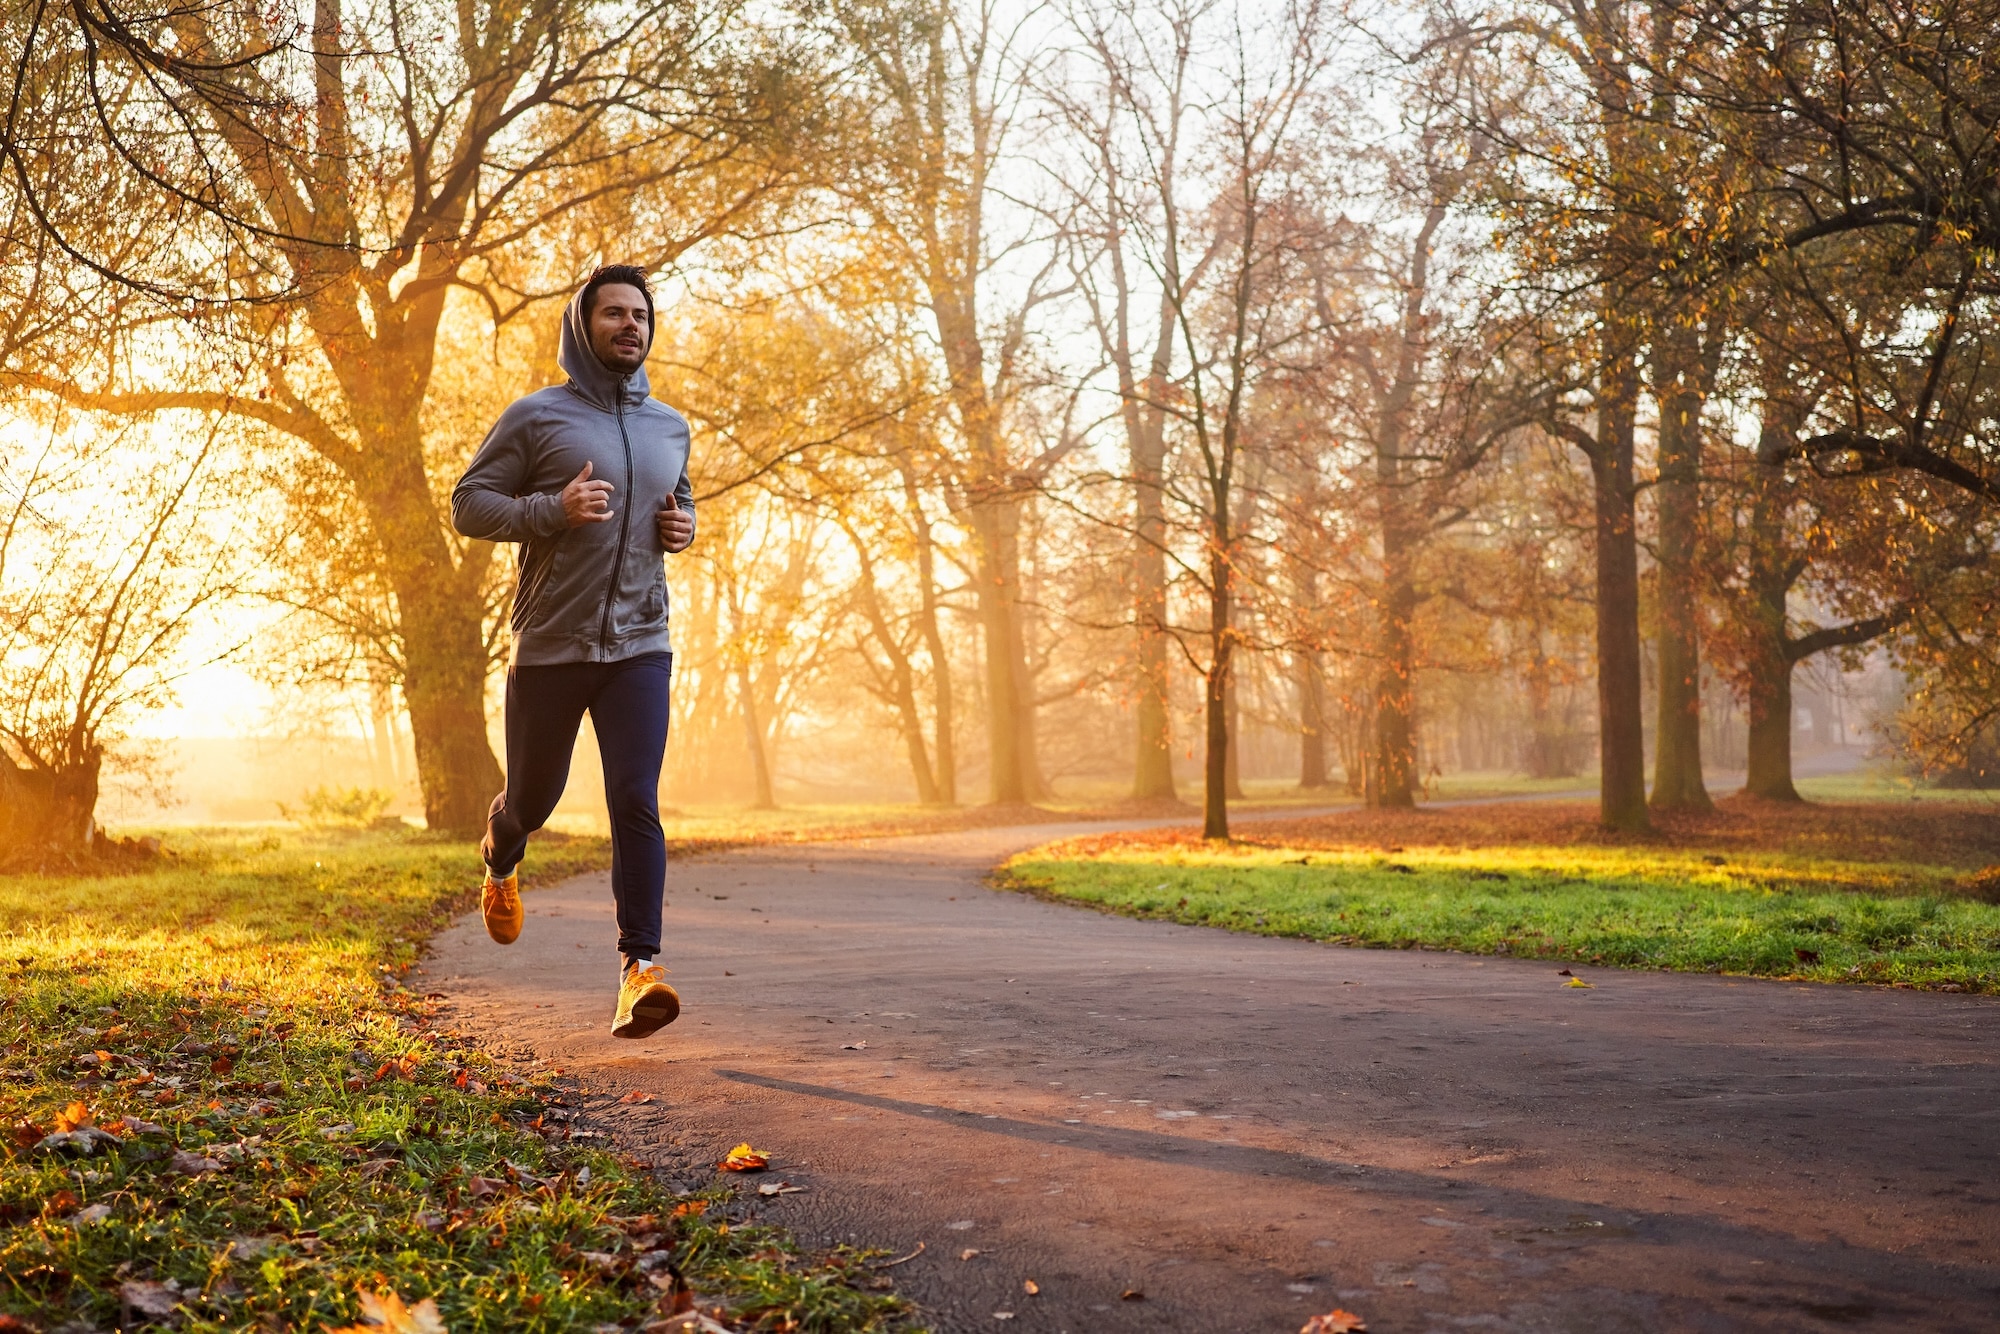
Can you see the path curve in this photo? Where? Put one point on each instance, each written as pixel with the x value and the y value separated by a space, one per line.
pixel 1250 1130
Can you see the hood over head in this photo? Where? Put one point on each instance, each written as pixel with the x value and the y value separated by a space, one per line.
pixel 591 379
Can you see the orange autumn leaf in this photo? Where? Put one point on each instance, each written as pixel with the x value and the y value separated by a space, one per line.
pixel 743 1158
pixel 74 1117
pixel 385 1313
pixel 1335 1322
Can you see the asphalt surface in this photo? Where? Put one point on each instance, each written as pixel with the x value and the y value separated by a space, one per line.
pixel 1249 1131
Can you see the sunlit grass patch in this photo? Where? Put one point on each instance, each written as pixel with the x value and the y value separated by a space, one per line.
pixel 218 1098
pixel 1770 911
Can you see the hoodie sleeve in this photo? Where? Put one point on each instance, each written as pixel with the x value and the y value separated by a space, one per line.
pixel 487 502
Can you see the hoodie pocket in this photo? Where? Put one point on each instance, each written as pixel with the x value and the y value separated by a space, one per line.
pixel 538 589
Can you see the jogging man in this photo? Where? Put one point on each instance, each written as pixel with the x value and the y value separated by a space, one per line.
pixel 591 479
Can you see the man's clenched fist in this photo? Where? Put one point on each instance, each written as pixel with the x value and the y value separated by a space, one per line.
pixel 585 501
pixel 676 526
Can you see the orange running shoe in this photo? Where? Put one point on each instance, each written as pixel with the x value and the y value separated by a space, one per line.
pixel 646 1004
pixel 500 905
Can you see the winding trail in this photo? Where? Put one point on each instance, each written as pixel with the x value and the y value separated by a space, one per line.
pixel 1251 1130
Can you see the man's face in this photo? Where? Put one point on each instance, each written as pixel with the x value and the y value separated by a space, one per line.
pixel 620 327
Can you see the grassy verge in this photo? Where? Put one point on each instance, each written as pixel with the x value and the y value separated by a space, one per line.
pixel 223 1111
pixel 1878 894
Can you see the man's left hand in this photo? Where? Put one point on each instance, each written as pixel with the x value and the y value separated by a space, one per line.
pixel 676 526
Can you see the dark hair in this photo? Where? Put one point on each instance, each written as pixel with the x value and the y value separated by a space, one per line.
pixel 631 275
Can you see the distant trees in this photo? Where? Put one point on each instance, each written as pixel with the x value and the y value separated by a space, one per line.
pixel 1120 375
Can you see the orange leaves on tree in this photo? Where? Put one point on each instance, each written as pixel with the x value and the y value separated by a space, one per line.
pixel 386 1314
pixel 743 1158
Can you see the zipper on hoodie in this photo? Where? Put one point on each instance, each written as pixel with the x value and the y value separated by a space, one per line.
pixel 624 527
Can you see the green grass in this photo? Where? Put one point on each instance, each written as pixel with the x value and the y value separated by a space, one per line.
pixel 244 998
pixel 1768 912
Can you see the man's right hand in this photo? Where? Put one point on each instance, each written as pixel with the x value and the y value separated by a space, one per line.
pixel 585 501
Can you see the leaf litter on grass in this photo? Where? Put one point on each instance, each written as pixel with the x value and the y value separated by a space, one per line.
pixel 475 1190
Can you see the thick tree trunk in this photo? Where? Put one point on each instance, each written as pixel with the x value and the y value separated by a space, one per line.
pixel 1620 706
pixel 993 527
pixel 52 809
pixel 1395 693
pixel 441 625
pixel 1312 722
pixel 1770 708
pixel 1677 780
pixel 440 616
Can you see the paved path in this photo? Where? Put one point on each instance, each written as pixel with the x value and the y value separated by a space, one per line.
pixel 1251 1130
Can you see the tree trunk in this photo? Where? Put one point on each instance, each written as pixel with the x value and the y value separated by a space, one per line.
pixel 1153 760
pixel 941 710
pixel 440 615
pixel 902 674
pixel 52 809
pixel 444 684
pixel 1620 707
pixel 764 798
pixel 1770 708
pixel 993 527
pixel 1232 769
pixel 1395 693
pixel 1215 763
pixel 1312 722
pixel 1677 780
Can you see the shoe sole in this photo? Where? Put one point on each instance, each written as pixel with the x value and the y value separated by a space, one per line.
pixel 650 1014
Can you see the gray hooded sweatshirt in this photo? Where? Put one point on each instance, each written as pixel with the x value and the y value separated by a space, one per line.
pixel 598 592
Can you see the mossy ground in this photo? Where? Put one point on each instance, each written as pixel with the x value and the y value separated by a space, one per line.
pixel 300 1129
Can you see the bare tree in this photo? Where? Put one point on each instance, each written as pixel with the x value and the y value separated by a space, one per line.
pixel 112 550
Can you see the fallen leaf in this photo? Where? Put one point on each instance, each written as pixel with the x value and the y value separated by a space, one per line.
pixel 1032 1288
pixel 1335 1322
pixel 779 1188
pixel 481 1186
pixel 193 1164
pixel 95 1213
pixel 1003 1315
pixel 27 1134
pixel 1806 956
pixel 854 1046
pixel 686 1207
pixel 149 1299
pixel 132 1125
pixel 385 1313
pixel 743 1158
pixel 969 1252
pixel 1131 1295
pixel 636 1098
pixel 1578 983
pixel 74 1117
